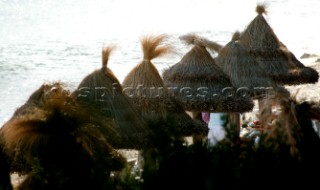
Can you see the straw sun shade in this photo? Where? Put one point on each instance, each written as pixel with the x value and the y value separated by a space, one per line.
pixel 51 127
pixel 143 84
pixel 262 43
pixel 199 83
pixel 101 92
pixel 245 72
pixel 145 87
pixel 39 97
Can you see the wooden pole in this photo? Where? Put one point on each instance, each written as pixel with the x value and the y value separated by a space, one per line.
pixel 265 111
pixel 234 125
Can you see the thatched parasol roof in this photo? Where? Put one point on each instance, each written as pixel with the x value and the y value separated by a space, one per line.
pixel 51 126
pixel 143 83
pixel 102 92
pixel 40 96
pixel 200 84
pixel 146 88
pixel 244 71
pixel 262 43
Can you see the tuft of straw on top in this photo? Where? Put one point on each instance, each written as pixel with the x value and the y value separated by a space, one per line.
pixel 260 9
pixel 106 53
pixel 153 46
pixel 190 39
pixel 236 36
pixel 194 39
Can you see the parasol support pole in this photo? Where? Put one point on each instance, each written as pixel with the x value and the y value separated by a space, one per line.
pixel 234 125
pixel 265 110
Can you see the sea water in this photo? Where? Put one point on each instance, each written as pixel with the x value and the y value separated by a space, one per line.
pixel 44 41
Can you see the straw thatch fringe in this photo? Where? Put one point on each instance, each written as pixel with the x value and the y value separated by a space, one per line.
pixel 170 112
pixel 311 75
pixel 299 74
pixel 185 125
pixel 217 104
pixel 102 93
pixel 295 61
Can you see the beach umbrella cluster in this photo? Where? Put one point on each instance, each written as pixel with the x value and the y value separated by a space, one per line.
pixel 257 58
pixel 258 61
pixel 102 93
pixel 200 84
pixel 166 116
pixel 63 139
